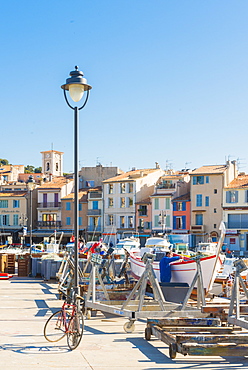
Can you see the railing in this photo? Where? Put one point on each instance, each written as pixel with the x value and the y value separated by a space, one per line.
pixel 94 212
pixel 166 186
pixel 49 205
pixel 49 224
pixel 195 228
pixel 94 195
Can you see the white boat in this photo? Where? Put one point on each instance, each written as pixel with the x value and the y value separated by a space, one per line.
pixel 130 244
pixel 184 272
pixel 208 248
pixel 181 272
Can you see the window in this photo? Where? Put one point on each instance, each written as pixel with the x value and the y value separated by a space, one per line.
pixel 130 221
pixel 15 220
pixel 122 221
pixel 156 203
pixel 3 203
pixel 48 166
pixel 215 191
pixel 110 220
pixel 57 166
pixel 199 219
pixel 207 179
pixel 80 221
pixel 207 201
pixel 142 210
pixel 167 203
pixel 122 202
pixel 68 221
pixel 156 221
pixel 16 203
pixel 238 221
pixel 111 188
pixel 110 202
pixel 90 183
pixel 49 217
pixel 179 206
pixel 68 206
pixel 4 220
pixel 141 223
pixel 130 202
pixel 122 187
pixel 215 210
pixel 214 226
pixel 95 204
pixel 198 180
pixel 232 196
pixel 130 187
pixel 198 200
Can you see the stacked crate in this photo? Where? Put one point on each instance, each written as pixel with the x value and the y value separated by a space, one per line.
pixel 24 265
pixel 11 263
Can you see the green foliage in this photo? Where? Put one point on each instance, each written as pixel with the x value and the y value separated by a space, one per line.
pixel 29 169
pixel 38 170
pixel 4 162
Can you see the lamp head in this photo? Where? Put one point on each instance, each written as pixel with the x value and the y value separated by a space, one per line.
pixel 76 85
pixel 31 182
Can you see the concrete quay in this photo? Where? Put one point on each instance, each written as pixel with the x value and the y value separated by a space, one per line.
pixel 25 305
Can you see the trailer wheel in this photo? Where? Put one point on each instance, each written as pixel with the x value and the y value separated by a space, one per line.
pixel 129 327
pixel 173 350
pixel 148 333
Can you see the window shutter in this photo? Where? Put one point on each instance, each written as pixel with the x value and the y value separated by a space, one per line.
pixel 174 222
pixel 194 180
pixel 184 222
pixel 174 206
pixel 236 196
pixel 228 197
pixel 184 206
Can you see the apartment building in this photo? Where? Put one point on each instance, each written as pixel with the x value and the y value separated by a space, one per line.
pixel 171 184
pixel 235 215
pixel 13 215
pixel 121 193
pixel 207 184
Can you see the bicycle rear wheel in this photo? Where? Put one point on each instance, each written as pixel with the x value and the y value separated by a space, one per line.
pixel 75 331
pixel 54 329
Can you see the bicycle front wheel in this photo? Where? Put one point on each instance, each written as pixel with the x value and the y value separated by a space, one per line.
pixel 54 329
pixel 75 331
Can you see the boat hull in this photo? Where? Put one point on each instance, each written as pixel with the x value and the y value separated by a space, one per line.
pixel 181 272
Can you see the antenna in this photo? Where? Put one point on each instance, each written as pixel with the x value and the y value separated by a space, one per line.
pixel 186 163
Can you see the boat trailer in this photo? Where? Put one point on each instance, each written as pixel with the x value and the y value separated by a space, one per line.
pixel 214 335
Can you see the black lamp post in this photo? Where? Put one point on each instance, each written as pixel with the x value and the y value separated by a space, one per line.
pixel 31 187
pixel 76 85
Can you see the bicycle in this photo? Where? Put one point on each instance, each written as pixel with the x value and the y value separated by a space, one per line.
pixel 67 321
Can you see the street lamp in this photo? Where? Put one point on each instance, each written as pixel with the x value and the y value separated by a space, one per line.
pixel 31 187
pixel 162 216
pixel 76 85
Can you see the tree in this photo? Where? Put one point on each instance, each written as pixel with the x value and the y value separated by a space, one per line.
pixel 29 169
pixel 4 162
pixel 38 170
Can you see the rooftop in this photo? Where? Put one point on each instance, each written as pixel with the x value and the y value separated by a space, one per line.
pixel 56 183
pixel 131 175
pixel 212 169
pixel 240 182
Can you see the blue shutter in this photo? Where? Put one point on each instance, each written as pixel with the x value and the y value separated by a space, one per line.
pixel 174 206
pixel 184 222
pixel 194 180
pixel 174 222
pixel 228 197
pixel 184 206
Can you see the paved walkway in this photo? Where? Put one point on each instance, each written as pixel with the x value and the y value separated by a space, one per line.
pixel 25 305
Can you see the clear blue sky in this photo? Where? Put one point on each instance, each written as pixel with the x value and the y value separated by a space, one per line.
pixel 169 78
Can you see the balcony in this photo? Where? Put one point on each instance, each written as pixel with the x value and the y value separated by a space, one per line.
pixel 49 224
pixel 94 212
pixel 49 205
pixel 93 195
pixel 197 228
pixel 166 186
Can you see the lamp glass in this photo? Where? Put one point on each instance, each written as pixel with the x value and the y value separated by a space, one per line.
pixel 76 92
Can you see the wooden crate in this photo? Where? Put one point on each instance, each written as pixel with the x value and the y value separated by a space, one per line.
pixel 3 262
pixel 23 265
